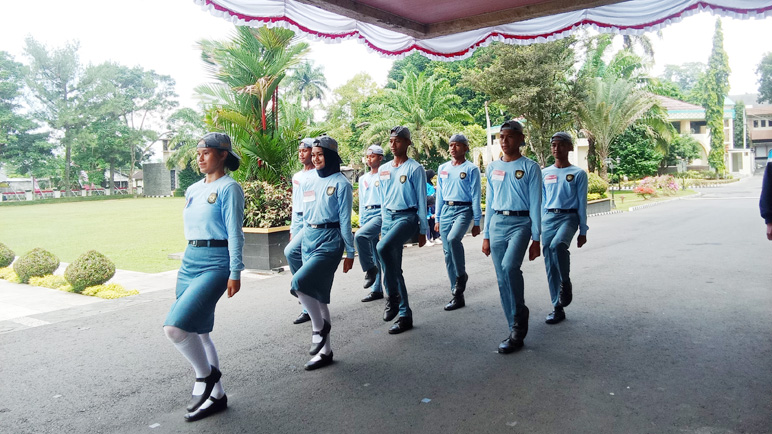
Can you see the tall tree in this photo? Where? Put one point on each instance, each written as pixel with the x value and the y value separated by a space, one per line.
pixel 715 85
pixel 186 127
pixel 739 125
pixel 764 70
pixel 684 76
pixel 308 81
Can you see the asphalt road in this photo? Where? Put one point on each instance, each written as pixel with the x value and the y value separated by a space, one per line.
pixel 669 332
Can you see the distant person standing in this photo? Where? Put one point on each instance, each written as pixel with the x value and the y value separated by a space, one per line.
pixel 432 235
pixel 366 238
pixel 565 210
pixel 458 206
pixel 292 251
pixel 403 192
pixel 512 218
pixel 213 218
pixel 765 203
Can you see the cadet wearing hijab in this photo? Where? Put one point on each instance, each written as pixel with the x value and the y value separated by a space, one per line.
pixel 458 205
pixel 213 218
pixel 327 214
pixel 366 238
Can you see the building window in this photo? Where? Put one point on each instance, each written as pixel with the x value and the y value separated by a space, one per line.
pixel 755 124
pixel 763 123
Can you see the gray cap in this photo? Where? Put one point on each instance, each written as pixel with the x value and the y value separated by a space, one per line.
pixel 306 143
pixel 459 138
pixel 400 131
pixel 374 149
pixel 563 136
pixel 512 125
pixel 326 142
pixel 217 141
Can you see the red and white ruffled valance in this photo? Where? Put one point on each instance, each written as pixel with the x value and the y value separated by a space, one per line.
pixel 631 18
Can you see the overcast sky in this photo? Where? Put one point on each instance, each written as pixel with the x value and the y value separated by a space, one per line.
pixel 161 35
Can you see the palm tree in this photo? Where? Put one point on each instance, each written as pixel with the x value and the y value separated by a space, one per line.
pixel 309 82
pixel 186 128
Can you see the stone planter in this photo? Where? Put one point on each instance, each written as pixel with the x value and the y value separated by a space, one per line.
pixel 598 206
pixel 264 247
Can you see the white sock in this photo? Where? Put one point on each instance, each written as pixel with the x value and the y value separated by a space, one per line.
pixel 211 355
pixel 190 346
pixel 319 312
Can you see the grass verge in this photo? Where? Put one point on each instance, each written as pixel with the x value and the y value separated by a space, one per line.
pixel 627 200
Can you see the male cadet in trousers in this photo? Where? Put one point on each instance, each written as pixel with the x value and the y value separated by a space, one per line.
pixel 403 208
pixel 565 209
pixel 458 204
pixel 366 238
pixel 513 216
pixel 292 251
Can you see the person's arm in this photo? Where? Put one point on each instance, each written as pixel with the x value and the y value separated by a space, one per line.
pixel 765 202
pixel 419 184
pixel 233 217
pixel 345 200
pixel 438 198
pixel 534 210
pixel 489 193
pixel 476 195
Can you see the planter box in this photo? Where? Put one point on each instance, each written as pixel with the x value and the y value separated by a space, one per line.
pixel 598 206
pixel 264 247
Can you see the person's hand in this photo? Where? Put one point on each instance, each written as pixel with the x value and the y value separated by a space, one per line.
pixel 233 287
pixel 769 231
pixel 421 240
pixel 348 263
pixel 290 238
pixel 581 240
pixel 437 227
pixel 475 230
pixel 534 251
pixel 486 247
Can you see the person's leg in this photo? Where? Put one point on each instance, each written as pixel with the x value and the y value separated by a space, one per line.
pixel 549 242
pixel 294 254
pixel 461 221
pixel 563 258
pixel 366 240
pixel 500 232
pixel 401 229
pixel 513 260
pixel 446 224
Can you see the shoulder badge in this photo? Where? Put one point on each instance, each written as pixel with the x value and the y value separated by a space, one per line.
pixel 519 174
pixel 212 198
pixel 330 190
pixel 569 177
pixel 463 175
pixel 403 178
pixel 377 183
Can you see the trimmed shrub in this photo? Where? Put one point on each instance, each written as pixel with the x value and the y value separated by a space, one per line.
pixel 6 256
pixel 596 184
pixel 90 269
pixel 35 263
pixel 593 196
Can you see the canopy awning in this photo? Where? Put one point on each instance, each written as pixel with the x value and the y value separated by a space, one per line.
pixel 453 29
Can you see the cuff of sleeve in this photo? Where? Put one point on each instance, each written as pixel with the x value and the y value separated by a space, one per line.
pixel 476 223
pixel 536 239
pixel 583 233
pixel 235 275
pixel 350 254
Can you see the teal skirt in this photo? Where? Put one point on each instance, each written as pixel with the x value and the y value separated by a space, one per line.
pixel 322 253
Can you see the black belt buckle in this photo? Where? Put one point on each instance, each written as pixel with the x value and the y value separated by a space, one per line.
pixel 373 207
pixel 199 243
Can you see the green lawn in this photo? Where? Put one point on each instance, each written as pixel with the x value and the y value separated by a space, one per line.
pixel 628 199
pixel 137 234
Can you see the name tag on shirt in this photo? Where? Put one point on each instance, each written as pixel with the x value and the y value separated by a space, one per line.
pixel 444 174
pixel 551 179
pixel 385 175
pixel 309 196
pixel 296 182
pixel 498 175
pixel 365 183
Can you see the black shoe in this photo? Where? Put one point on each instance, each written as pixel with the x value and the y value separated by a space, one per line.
pixel 509 346
pixel 566 293
pixel 460 286
pixel 556 316
pixel 326 359
pixel 373 296
pixel 392 309
pixel 303 317
pixel 210 380
pixel 370 276
pixel 217 406
pixel 456 302
pixel 315 348
pixel 520 329
pixel 403 324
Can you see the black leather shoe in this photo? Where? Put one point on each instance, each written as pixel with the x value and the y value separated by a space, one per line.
pixel 373 296
pixel 566 293
pixel 217 406
pixel 392 309
pixel 326 359
pixel 520 329
pixel 460 286
pixel 456 302
pixel 315 348
pixel 509 346
pixel 403 324
pixel 556 316
pixel 210 380
pixel 370 276
pixel 303 317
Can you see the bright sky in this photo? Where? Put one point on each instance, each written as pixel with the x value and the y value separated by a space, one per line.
pixel 161 35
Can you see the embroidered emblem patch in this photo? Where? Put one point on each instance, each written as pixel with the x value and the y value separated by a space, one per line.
pixel 569 178
pixel 377 183
pixel 519 174
pixel 462 175
pixel 212 198
pixel 403 178
pixel 330 190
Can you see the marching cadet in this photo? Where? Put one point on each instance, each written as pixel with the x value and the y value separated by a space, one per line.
pixel 366 238
pixel 292 250
pixel 513 216
pixel 327 231
pixel 458 205
pixel 564 202
pixel 403 209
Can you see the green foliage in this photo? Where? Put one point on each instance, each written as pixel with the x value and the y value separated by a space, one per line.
pixel 594 196
pixel 6 256
pixel 91 268
pixel 764 71
pixel 685 77
pixel 715 85
pixel 739 121
pixel 110 291
pixel 266 205
pixel 683 147
pixel 36 262
pixel 186 178
pixel 186 128
pixel 9 275
pixel 637 154
pixel 596 184
pixel 308 82
pixel 49 281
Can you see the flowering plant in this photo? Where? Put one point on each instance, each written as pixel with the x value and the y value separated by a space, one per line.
pixel 266 205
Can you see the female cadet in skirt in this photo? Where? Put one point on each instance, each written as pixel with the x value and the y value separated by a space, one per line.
pixel 327 228
pixel 213 217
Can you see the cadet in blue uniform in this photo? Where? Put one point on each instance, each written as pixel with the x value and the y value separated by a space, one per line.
pixel 513 216
pixel 403 209
pixel 458 205
pixel 327 230
pixel 366 238
pixel 292 250
pixel 564 202
pixel 213 217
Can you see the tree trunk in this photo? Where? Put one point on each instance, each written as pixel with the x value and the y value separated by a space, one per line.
pixel 111 184
pixel 592 157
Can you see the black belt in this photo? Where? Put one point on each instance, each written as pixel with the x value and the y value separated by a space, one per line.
pixel 403 210
pixel 562 211
pixel 299 214
pixel 516 213
pixel 456 203
pixel 373 207
pixel 325 225
pixel 208 243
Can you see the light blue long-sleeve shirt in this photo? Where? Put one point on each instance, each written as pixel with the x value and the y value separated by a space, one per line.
pixel 298 181
pixel 369 195
pixel 404 187
pixel 514 186
pixel 215 211
pixel 329 200
pixel 566 188
pixel 459 184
